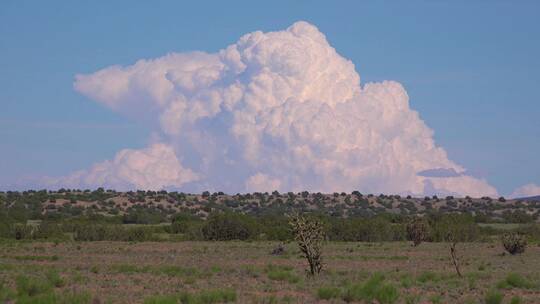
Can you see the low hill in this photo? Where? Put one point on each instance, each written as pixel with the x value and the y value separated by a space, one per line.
pixel 161 205
pixel 531 198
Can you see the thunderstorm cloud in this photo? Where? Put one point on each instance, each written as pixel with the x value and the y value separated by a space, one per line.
pixel 274 111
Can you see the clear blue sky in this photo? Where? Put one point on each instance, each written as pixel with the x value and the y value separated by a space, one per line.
pixel 471 69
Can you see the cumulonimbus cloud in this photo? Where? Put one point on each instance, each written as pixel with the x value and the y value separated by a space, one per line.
pixel 274 110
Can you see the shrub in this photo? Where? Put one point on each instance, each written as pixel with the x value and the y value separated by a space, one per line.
pixel 55 279
pixel 203 297
pixel 30 287
pixel 514 280
pixel 427 276
pixel 47 231
pixel 516 300
pixel 21 231
pixel 373 289
pixel 91 232
pixel 283 275
pixel 514 243
pixel 458 227
pixel 493 297
pixel 228 226
pixel 309 235
pixel 165 299
pixel 387 294
pixel 417 230
pixel 181 222
pixel 327 293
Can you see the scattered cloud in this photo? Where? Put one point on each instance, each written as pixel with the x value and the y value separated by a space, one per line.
pixel 274 110
pixel 154 167
pixel 261 183
pixel 526 191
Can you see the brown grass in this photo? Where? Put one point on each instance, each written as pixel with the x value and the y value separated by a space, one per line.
pixel 129 273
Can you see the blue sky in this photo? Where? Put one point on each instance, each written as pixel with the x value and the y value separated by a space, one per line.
pixel 470 69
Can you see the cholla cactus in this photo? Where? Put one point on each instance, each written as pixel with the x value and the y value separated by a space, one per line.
pixel 417 230
pixel 514 243
pixel 309 234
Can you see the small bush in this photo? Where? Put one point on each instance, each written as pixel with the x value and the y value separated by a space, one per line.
pixel 30 287
pixel 493 297
pixel 372 289
pixel 514 280
pixel 55 279
pixel 327 293
pixel 516 300
pixel 217 296
pixel 203 297
pixel 21 231
pixel 167 299
pixel 514 243
pixel 387 294
pixel 427 276
pixel 281 273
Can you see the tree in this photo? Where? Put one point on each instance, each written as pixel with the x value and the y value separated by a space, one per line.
pixel 228 226
pixel 309 235
pixel 417 230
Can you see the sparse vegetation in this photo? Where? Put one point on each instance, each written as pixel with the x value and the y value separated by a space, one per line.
pixel 168 247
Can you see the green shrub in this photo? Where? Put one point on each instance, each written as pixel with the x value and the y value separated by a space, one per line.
pixel 493 297
pixel 373 289
pixel 21 231
pixel 459 227
pixel 327 293
pixel 6 294
pixel 516 300
pixel 514 243
pixel 514 280
pixel 75 298
pixel 49 231
pixel 229 226
pixel 281 273
pixel 216 296
pixel 104 232
pixel 30 287
pixel 427 276
pixel 387 294
pixel 407 281
pixel 166 299
pixel 55 279
pixel 202 297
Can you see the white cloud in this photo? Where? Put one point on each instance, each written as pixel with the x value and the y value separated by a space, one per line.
pixel 526 190
pixel 279 109
pixel 155 167
pixel 262 183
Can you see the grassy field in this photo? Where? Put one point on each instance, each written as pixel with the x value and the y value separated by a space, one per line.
pixel 246 272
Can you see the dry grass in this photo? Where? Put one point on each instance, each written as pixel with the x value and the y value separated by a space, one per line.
pixel 130 273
